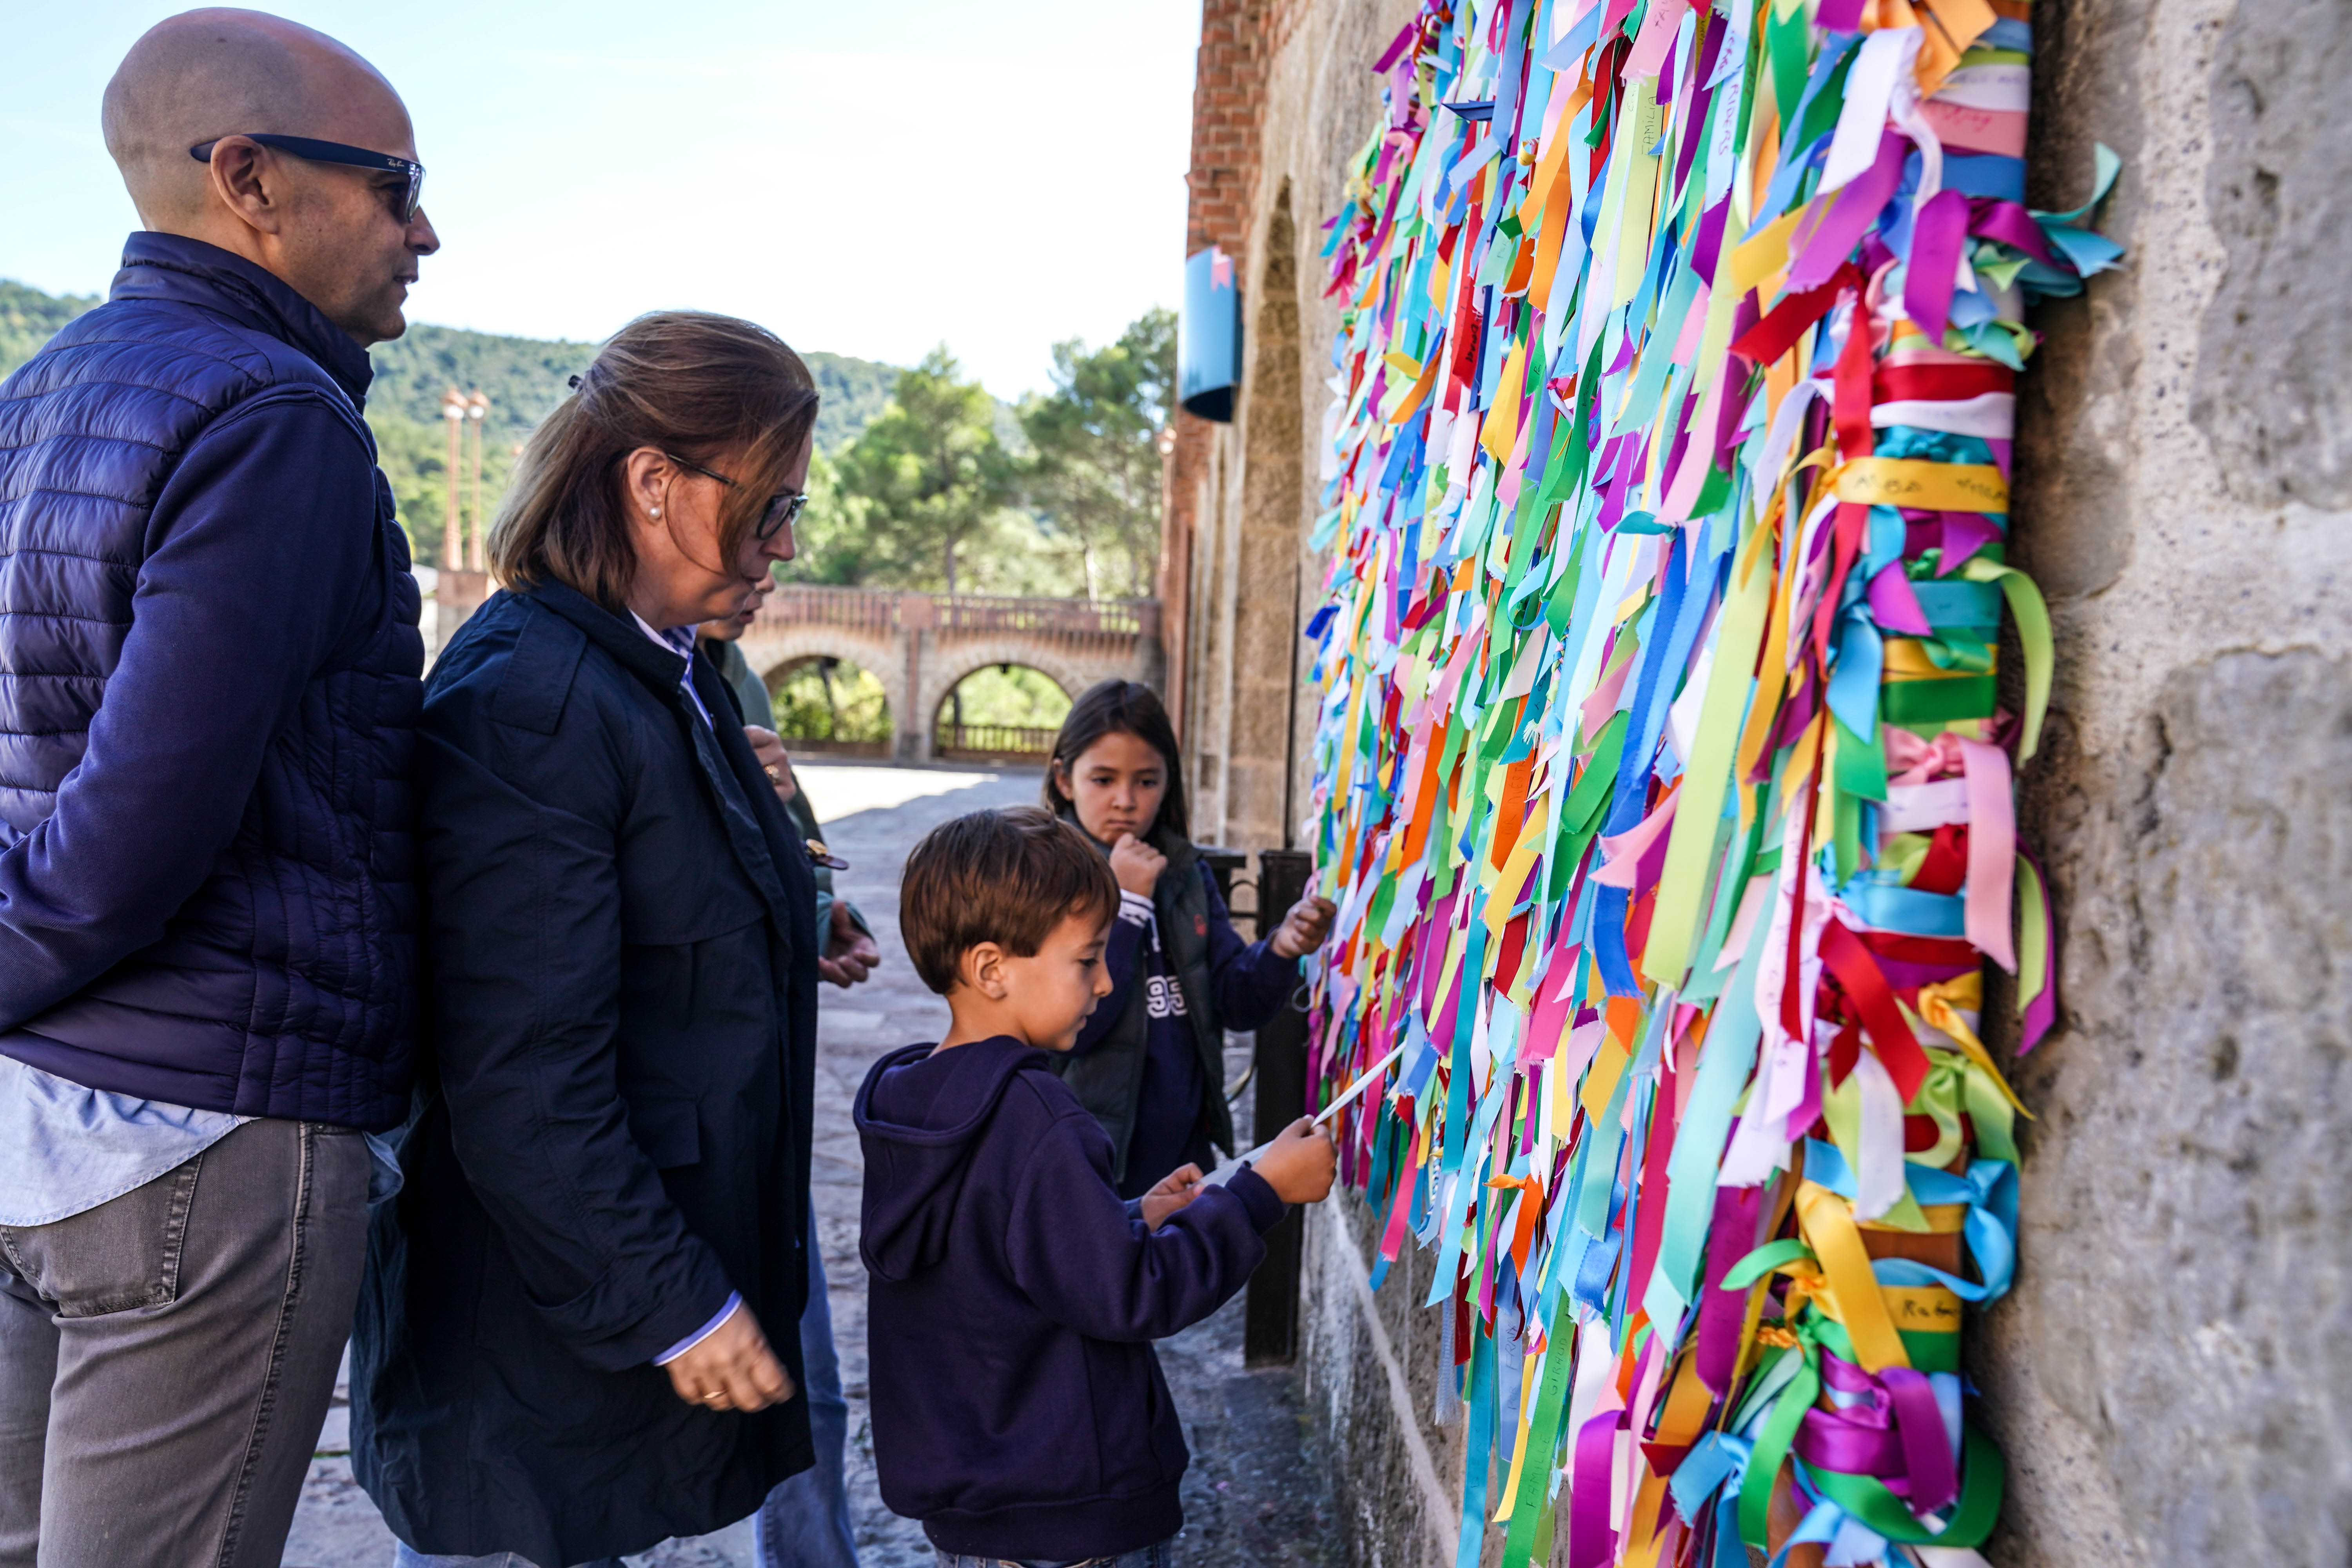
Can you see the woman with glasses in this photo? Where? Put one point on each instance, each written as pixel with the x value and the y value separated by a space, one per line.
pixel 578 1332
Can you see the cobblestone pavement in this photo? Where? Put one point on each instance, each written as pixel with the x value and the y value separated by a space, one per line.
pixel 1254 1494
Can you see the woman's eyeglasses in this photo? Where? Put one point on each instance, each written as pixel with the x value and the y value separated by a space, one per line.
pixel 783 507
pixel 404 205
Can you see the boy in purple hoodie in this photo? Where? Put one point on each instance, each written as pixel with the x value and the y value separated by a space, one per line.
pixel 1018 1409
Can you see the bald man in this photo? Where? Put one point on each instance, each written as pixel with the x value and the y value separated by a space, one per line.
pixel 209 671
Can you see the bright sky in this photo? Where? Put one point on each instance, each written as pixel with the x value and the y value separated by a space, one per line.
pixel 869 177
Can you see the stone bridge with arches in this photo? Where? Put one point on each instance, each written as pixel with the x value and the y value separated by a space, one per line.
pixel 919 647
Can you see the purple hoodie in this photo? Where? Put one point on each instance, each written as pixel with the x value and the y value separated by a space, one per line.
pixel 1019 1411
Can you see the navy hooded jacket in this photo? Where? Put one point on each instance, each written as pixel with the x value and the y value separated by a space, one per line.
pixel 1019 1411
pixel 209 690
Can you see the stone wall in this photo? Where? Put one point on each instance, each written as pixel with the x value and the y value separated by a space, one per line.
pixel 2169 1377
pixel 2172 1376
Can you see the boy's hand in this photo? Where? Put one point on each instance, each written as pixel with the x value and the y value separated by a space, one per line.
pixel 1136 864
pixel 1172 1191
pixel 1304 927
pixel 769 749
pixel 1300 1162
pixel 732 1368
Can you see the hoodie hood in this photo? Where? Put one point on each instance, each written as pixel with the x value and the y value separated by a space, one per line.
pixel 919 1114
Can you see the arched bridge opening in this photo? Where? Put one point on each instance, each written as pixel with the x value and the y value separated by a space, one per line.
pixel 829 704
pixel 1001 712
pixel 920 650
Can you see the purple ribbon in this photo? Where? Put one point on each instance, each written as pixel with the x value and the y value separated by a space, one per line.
pixel 1899 1436
pixel 1959 534
pixel 1895 606
pixel 1591 1542
pixel 1851 212
pixel 1721 1313
pixel 2005 221
pixel 1938 235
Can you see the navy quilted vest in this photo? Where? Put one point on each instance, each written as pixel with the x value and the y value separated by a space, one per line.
pixel 286 985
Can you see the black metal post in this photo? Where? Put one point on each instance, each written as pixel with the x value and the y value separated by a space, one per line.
pixel 1270 1328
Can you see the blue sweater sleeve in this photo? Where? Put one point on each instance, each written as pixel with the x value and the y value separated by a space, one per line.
pixel 1087 1262
pixel 258 550
pixel 1248 983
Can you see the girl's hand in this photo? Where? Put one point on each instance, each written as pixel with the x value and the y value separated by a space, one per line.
pixel 1300 1162
pixel 732 1368
pixel 1172 1191
pixel 1136 864
pixel 1304 927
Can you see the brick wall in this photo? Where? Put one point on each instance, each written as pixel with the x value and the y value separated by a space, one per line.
pixel 1237 39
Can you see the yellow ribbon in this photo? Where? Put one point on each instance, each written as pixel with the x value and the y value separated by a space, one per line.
pixel 1915 482
pixel 1849 1291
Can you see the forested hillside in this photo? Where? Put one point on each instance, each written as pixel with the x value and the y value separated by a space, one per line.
pixel 521 377
pixel 29 318
pixel 922 480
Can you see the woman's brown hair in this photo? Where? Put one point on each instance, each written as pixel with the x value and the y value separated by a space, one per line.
pixel 702 386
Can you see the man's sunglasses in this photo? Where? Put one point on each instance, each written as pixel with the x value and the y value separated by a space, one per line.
pixel 404 208
pixel 783 507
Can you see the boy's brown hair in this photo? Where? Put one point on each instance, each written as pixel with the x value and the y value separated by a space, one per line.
pixel 1007 876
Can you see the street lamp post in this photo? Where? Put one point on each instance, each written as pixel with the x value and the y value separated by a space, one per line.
pixel 477 409
pixel 453 536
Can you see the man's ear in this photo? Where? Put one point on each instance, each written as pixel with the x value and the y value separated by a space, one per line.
pixel 982 968
pixel 250 184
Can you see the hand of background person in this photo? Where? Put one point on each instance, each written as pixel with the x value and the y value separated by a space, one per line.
pixel 769 749
pixel 1136 864
pixel 1172 1191
pixel 850 954
pixel 1300 1162
pixel 732 1368
pixel 1304 927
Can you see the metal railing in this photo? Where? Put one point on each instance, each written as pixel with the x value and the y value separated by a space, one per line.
pixel 1048 617
pixel 871 610
pixel 959 741
pixel 878 611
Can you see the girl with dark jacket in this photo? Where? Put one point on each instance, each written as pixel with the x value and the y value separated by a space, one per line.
pixel 1149 1062
pixel 563 1344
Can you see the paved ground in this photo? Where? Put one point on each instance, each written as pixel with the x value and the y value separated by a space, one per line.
pixel 1254 1494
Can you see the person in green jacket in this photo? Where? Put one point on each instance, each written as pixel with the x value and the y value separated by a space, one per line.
pixel 850 954
pixel 805 1521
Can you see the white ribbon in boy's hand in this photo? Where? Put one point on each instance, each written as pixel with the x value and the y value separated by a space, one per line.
pixel 1171 1193
pixel 731 1368
pixel 1299 1163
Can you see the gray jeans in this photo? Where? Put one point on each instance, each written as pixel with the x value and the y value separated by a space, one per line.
pixel 166 1358
pixel 1158 1554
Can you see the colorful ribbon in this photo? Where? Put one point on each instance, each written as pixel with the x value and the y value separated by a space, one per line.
pixel 1662 776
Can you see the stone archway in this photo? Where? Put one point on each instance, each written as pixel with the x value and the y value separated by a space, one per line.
pixel 952 664
pixel 772 651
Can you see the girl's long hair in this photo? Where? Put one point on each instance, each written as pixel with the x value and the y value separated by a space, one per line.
pixel 1130 708
pixel 712 389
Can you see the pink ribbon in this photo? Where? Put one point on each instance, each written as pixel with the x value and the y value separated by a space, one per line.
pixel 1636 855
pixel 1914 760
pixel 1992 851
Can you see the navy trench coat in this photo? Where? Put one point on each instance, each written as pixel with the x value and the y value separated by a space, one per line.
pixel 612 1128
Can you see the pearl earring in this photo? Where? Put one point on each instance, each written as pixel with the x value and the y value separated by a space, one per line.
pixel 653 509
